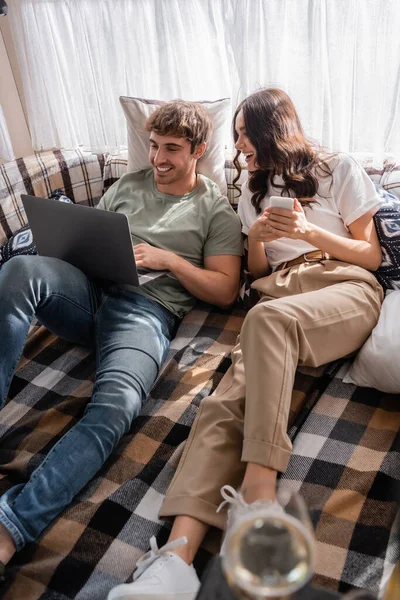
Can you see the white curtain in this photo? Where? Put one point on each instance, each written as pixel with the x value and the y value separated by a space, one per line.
pixel 338 59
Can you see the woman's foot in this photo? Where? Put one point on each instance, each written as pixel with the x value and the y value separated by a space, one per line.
pixel 160 575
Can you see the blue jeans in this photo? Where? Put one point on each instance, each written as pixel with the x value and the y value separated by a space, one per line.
pixel 131 334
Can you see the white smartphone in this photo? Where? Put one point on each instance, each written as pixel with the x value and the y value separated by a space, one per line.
pixel 280 202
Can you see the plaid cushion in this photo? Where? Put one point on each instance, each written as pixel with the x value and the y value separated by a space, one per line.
pixel 114 167
pixel 78 174
pixel 387 223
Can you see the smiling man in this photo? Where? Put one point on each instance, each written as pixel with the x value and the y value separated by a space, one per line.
pixel 180 222
pixel 173 172
pixel 182 227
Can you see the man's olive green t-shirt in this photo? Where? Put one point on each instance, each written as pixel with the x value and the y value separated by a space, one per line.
pixel 199 224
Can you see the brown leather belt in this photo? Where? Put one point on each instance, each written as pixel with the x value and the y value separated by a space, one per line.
pixel 308 257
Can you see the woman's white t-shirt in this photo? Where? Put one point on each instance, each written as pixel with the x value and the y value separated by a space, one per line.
pixel 341 199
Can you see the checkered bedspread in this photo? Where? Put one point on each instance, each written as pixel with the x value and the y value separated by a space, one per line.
pixel 345 463
pixel 346 439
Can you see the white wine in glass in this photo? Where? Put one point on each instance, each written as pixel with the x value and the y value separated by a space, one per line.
pixel 269 550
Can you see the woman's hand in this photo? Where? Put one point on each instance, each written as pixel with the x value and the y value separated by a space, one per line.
pixel 261 230
pixel 288 223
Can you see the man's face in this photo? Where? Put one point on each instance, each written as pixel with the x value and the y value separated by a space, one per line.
pixel 173 163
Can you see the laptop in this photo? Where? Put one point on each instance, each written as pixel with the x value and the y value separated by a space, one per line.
pixel 96 241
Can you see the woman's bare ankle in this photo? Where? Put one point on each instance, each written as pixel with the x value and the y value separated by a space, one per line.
pixel 184 553
pixel 7 545
pixel 259 483
pixel 194 531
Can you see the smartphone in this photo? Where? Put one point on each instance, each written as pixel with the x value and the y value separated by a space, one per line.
pixel 279 202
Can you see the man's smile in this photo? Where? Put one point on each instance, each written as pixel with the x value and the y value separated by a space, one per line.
pixel 163 169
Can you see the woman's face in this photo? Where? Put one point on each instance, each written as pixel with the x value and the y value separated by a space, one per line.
pixel 243 143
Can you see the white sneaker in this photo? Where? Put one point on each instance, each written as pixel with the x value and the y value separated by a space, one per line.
pixel 160 575
pixel 240 508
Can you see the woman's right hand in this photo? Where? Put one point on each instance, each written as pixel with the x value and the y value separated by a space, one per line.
pixel 260 231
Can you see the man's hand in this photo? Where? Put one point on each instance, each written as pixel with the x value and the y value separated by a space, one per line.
pixel 282 222
pixel 217 282
pixel 156 259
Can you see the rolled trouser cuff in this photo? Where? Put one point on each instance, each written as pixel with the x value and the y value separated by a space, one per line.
pixel 266 454
pixel 190 506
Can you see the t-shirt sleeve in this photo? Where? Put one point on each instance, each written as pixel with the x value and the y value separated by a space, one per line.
pixel 102 202
pixel 354 190
pixel 246 210
pixel 224 235
pixel 107 200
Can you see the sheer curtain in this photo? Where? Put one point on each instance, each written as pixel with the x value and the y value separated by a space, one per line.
pixel 338 59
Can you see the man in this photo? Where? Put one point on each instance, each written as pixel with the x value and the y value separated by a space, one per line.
pixel 180 224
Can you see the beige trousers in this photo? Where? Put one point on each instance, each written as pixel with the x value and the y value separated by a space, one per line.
pixel 309 314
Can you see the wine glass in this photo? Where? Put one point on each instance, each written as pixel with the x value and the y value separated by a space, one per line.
pixel 268 551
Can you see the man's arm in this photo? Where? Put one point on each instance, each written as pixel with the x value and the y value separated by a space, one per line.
pixel 217 282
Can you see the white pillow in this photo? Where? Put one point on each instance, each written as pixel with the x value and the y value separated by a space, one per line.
pixel 377 364
pixel 211 164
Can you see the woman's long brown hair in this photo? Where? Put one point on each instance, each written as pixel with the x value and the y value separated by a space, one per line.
pixel 274 129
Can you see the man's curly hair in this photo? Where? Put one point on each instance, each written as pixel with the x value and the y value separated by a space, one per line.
pixel 189 120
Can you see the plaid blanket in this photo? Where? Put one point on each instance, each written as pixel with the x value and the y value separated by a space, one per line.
pixel 345 463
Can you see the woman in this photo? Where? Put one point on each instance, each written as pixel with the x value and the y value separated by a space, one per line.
pixel 318 302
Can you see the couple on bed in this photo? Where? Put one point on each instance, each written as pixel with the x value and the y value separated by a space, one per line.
pixel 318 302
